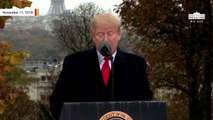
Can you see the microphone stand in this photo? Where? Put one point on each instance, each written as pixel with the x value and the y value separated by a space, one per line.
pixel 112 77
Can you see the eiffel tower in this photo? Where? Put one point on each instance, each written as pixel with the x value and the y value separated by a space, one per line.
pixel 56 7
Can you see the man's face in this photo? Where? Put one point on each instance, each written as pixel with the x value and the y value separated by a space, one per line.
pixel 110 34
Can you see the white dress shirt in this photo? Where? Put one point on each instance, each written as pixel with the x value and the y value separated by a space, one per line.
pixel 101 59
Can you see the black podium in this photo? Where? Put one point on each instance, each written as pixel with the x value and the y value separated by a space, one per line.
pixel 119 110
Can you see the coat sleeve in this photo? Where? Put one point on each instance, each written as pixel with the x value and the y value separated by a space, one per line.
pixel 142 82
pixel 58 95
pixel 147 92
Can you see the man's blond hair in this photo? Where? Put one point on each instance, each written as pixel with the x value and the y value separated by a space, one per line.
pixel 106 19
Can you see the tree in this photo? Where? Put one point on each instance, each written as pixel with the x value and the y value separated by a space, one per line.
pixel 163 65
pixel 9 59
pixel 44 113
pixel 14 102
pixel 187 66
pixel 72 28
pixel 17 104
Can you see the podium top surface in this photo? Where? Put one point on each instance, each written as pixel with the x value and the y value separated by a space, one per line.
pixel 136 110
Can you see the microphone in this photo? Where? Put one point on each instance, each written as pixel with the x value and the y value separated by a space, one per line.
pixel 105 48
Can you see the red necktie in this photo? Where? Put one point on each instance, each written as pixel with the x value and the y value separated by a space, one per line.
pixel 106 70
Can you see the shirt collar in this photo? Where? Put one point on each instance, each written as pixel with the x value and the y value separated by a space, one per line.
pixel 101 57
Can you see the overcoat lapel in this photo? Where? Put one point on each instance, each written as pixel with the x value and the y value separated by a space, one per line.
pixel 94 68
pixel 120 68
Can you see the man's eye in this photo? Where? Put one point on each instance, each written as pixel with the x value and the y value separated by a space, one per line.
pixel 100 34
pixel 110 33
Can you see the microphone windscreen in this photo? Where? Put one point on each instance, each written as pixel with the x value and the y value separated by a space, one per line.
pixel 105 48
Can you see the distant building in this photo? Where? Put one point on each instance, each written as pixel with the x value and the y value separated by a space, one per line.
pixel 26 23
pixel 46 74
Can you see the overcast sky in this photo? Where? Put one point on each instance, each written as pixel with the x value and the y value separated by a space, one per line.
pixel 43 5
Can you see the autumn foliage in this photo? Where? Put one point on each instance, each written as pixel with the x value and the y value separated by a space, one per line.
pixel 9 58
pixel 179 51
